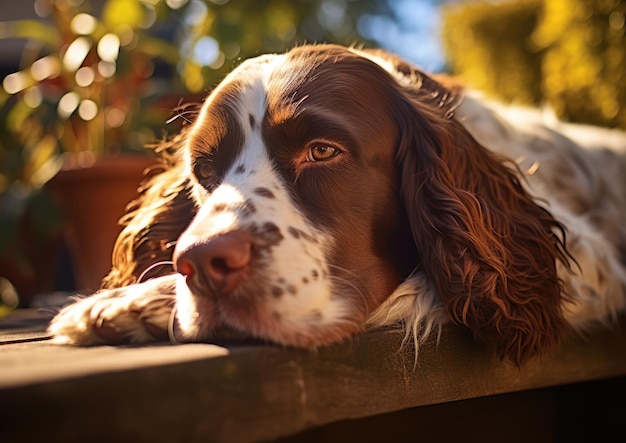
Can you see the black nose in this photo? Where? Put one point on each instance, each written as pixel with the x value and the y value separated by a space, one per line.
pixel 223 260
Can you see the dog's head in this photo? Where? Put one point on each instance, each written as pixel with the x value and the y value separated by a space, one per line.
pixel 324 176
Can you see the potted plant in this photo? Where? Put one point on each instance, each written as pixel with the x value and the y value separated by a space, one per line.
pixel 83 105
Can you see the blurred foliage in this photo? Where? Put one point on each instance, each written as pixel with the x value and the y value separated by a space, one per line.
pixel 238 29
pixel 569 54
pixel 585 61
pixel 489 45
pixel 84 89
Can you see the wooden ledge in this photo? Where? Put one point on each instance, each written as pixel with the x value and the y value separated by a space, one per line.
pixel 245 393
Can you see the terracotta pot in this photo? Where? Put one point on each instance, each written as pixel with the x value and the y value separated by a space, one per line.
pixel 93 200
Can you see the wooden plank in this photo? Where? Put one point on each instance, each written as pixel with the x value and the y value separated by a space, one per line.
pixel 245 393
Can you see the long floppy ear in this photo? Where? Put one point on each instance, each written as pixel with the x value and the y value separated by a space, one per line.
pixel 154 221
pixel 488 247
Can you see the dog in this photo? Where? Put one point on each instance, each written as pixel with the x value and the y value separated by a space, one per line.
pixel 330 190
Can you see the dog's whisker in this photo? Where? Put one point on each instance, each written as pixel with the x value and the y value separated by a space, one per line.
pixel 171 333
pixel 152 267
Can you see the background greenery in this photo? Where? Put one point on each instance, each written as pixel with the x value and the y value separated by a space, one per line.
pixel 567 54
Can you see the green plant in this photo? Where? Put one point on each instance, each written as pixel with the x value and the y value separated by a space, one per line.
pixel 567 54
pixel 91 84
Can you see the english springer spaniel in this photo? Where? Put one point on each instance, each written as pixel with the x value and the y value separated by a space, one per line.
pixel 326 191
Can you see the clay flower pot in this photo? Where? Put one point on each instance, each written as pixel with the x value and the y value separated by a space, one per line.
pixel 93 200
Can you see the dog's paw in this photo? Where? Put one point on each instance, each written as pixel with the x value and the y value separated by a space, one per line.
pixel 137 313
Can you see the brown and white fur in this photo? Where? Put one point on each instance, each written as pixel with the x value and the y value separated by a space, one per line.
pixel 329 190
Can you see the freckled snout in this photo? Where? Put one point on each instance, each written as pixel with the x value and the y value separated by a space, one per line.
pixel 222 260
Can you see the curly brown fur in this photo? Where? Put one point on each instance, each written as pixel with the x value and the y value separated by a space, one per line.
pixel 489 248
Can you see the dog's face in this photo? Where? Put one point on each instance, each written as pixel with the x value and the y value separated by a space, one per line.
pixel 300 230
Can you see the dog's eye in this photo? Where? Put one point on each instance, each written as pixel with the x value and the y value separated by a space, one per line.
pixel 320 153
pixel 206 176
pixel 203 171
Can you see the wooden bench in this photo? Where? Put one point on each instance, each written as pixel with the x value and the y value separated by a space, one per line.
pixel 364 389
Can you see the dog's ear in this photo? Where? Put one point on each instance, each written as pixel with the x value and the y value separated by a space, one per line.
pixel 488 247
pixel 154 221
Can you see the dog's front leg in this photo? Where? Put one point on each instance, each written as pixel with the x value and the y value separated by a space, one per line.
pixel 137 313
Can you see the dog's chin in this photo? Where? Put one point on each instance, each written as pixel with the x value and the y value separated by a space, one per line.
pixel 210 318
pixel 203 318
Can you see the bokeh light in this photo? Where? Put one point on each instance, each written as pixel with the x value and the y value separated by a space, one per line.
pixel 45 67
pixel 68 104
pixel 114 117
pixel 76 53
pixel 106 69
pixel 206 51
pixel 85 76
pixel 87 110
pixel 83 24
pixel 16 82
pixel 32 97
pixel 109 47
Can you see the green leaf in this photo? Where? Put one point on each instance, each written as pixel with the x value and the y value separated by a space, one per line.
pixel 46 34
